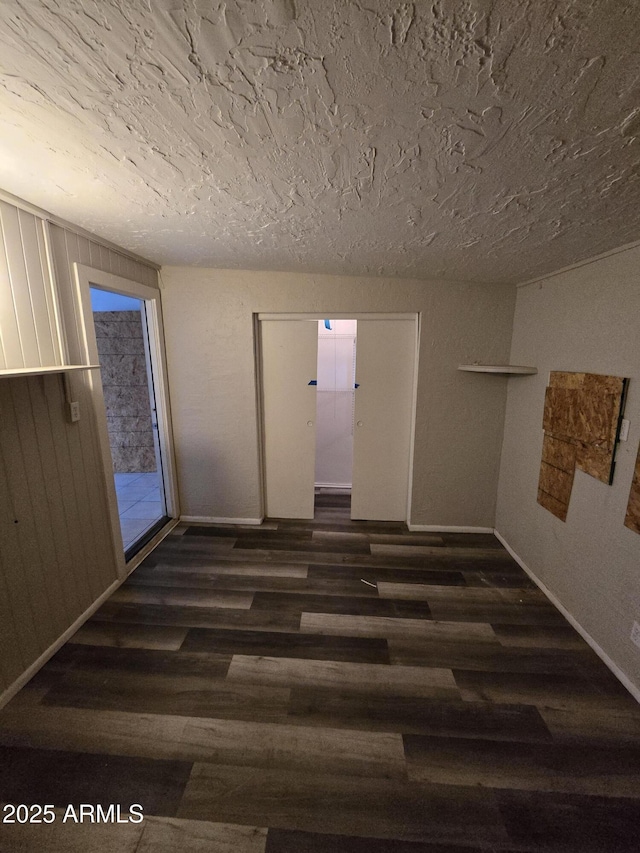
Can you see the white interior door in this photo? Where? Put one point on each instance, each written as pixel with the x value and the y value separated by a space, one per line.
pixel 289 363
pixel 385 365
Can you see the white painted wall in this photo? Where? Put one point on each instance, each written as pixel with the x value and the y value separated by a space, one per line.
pixel 210 351
pixel 585 319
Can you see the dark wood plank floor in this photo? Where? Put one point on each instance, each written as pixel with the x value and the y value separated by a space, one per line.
pixel 326 687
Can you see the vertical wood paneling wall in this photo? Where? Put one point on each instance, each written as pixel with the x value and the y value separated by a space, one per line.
pixel 56 551
pixel 69 248
pixel 28 326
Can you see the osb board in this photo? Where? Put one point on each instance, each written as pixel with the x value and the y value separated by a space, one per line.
pixel 556 475
pixel 556 482
pixel 580 420
pixel 632 518
pixel 559 453
pixel 553 505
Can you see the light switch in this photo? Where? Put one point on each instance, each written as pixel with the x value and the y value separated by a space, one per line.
pixel 624 430
pixel 74 412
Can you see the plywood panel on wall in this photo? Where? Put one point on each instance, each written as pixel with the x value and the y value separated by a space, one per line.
pixel 632 518
pixel 580 421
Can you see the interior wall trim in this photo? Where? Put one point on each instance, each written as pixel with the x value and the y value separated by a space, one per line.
pixel 340 315
pixel 615 669
pixel 216 519
pixel 539 279
pixel 343 486
pixel 443 528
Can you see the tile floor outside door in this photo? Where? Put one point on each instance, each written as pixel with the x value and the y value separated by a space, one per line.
pixel 139 504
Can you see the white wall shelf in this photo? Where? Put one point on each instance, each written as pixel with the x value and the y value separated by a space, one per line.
pixel 40 371
pixel 513 369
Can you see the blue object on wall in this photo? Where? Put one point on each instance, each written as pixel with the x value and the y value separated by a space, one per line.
pixel 327 324
pixel 313 382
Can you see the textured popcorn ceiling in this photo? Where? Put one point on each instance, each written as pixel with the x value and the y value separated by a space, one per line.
pixel 480 139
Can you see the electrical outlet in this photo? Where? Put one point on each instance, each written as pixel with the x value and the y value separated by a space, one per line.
pixel 635 634
pixel 74 412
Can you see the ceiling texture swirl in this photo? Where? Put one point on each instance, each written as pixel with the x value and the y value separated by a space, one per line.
pixel 474 140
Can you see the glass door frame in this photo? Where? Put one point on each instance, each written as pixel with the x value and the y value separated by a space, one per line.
pixel 85 278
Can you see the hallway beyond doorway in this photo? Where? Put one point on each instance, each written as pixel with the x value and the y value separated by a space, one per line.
pixel 332 505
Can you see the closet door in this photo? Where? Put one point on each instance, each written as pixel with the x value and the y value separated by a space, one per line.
pixel 385 365
pixel 289 363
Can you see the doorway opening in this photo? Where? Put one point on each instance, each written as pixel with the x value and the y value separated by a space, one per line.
pixel 122 339
pixel 335 412
pixel 384 395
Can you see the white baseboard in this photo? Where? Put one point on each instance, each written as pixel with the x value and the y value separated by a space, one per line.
pixel 344 487
pixel 20 682
pixel 441 528
pixel 28 674
pixel 619 674
pixel 214 519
